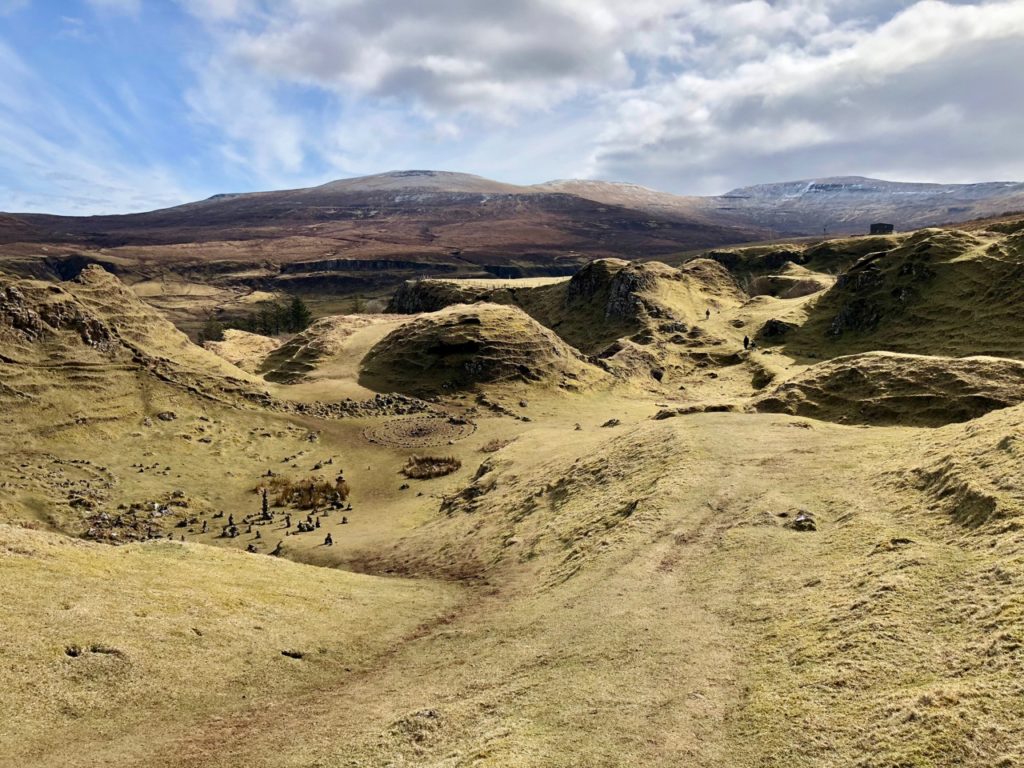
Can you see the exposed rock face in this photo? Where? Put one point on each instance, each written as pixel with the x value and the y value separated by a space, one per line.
pixel 625 293
pixel 892 389
pixel 417 296
pixel 33 319
pixel 774 330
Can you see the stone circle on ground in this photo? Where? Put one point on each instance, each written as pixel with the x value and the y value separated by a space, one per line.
pixel 419 431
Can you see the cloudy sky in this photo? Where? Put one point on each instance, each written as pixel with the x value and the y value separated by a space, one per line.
pixel 123 105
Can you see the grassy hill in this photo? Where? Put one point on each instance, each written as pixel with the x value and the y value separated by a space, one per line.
pixel 642 568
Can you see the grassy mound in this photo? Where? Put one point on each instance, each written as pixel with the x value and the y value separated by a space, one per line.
pixel 104 637
pixel 603 302
pixel 462 346
pixel 941 292
pixel 889 388
pixel 305 352
pixel 829 256
pixel 77 352
pixel 791 282
pixel 969 472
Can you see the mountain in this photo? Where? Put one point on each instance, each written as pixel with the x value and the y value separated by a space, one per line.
pixel 850 204
pixel 365 236
pixel 428 215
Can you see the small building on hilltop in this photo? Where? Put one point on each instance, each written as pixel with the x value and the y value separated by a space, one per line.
pixel 882 229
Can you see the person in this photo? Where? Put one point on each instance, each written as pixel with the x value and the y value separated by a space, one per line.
pixel 329 541
pixel 707 313
pixel 746 342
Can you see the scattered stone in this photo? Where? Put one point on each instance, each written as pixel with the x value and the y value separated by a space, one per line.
pixel 803 522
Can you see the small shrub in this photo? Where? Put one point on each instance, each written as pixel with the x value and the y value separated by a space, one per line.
pixel 425 467
pixel 492 446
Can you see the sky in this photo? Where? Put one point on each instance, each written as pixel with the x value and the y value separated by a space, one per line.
pixel 112 106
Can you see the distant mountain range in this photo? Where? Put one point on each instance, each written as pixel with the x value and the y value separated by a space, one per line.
pixel 457 211
pixel 366 234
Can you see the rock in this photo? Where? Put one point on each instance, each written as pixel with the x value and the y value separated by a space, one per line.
pixel 611 423
pixel 804 522
pixel 775 329
pixel 167 416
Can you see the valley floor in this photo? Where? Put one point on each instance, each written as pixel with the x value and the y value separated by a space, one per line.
pixel 634 561
pixel 628 595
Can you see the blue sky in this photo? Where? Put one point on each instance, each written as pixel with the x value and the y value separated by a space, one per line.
pixel 125 105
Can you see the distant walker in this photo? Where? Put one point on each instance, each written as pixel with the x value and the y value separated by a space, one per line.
pixel 882 229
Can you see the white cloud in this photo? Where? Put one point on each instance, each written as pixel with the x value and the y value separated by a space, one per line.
pixel 908 96
pixel 688 93
pixel 685 95
pixel 245 111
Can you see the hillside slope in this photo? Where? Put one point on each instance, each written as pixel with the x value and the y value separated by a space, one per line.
pixel 614 560
pixel 942 292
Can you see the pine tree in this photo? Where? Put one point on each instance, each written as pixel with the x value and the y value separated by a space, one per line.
pixel 299 316
pixel 281 318
pixel 265 321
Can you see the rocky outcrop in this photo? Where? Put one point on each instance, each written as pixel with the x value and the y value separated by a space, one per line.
pixel 415 296
pixel 775 330
pixel 33 319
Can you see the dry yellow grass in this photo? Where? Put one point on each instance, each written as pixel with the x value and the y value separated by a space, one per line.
pixel 584 595
pixel 245 350
pixel 188 638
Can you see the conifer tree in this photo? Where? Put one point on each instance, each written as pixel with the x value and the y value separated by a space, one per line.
pixel 299 316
